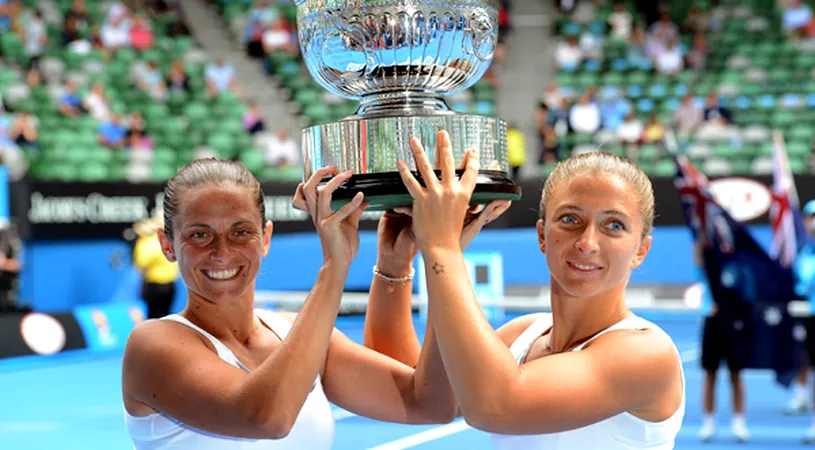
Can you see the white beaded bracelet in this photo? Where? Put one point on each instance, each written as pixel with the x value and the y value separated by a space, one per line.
pixel 391 280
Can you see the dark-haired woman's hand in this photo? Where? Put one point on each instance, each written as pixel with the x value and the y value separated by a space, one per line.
pixel 338 230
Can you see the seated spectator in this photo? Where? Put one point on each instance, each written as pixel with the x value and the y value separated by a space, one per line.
pixel 620 21
pixel 220 77
pixel 584 116
pixel 550 146
pixel 552 96
pixel 688 117
pixel 696 21
pixel 141 35
pixel 35 38
pixel 664 30
pixel 116 30
pixel 278 38
pixel 715 113
pixel 631 130
pixel 96 103
pixel 112 133
pixel 70 32
pixel 797 19
pixel 253 119
pixel 282 151
pixel 70 104
pixel 669 61
pixel 654 130
pixel 24 131
pixel 568 54
pixel 696 58
pixel 78 15
pixel 150 80
pixel 177 79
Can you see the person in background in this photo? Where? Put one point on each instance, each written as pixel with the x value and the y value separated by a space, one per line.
pixel 158 274
pixel 715 347
pixel 804 271
pixel 10 251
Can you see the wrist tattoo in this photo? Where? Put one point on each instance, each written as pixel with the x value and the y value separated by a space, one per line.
pixel 438 268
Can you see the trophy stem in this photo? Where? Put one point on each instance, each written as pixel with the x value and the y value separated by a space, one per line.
pixel 403 103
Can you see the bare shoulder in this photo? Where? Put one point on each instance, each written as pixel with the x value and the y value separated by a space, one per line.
pixel 644 362
pixel 510 331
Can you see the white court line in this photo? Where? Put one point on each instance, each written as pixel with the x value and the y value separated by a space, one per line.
pixel 425 436
pixel 460 425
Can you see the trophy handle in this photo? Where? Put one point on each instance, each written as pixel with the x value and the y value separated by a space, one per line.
pixel 481 37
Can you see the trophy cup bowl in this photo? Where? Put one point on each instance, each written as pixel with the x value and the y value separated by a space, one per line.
pixel 399 59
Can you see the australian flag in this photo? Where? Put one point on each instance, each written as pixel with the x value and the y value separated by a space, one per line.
pixel 751 289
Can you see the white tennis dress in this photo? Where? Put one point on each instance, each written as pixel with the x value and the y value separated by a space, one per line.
pixel 313 429
pixel 621 432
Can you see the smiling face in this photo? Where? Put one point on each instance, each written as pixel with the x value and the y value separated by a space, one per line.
pixel 218 241
pixel 597 211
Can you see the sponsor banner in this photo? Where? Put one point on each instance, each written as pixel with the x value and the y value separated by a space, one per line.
pixel 107 326
pixel 48 211
pixel 39 334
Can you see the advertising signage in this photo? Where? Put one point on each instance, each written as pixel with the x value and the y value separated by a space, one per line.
pixel 62 211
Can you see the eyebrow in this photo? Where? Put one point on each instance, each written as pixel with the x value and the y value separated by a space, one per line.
pixel 607 211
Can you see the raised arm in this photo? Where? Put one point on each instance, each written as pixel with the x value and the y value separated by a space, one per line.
pixel 168 367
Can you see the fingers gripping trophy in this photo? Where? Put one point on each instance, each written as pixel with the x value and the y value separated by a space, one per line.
pixel 400 59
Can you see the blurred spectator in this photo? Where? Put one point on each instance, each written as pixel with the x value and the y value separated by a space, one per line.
pixel 695 22
pixel 220 77
pixel 70 104
pixel 35 37
pixel 24 131
pixel 654 130
pixel 568 54
pixel 631 130
pixel 281 150
pixel 715 113
pixel 669 61
pixel 584 116
pixel 112 133
pixel 116 30
pixel 96 103
pixel 78 14
pixel 141 35
pixel 253 119
pixel 10 251
pixel 696 58
pixel 797 19
pixel 664 30
pixel 688 117
pixel 620 21
pixel 552 97
pixel 550 147
pixel 278 38
pixel 150 80
pixel 177 79
pixel 516 148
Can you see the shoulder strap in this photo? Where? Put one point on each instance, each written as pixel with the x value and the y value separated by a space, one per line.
pixel 278 324
pixel 524 342
pixel 629 323
pixel 223 351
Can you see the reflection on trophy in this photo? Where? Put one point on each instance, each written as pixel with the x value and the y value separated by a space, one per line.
pixel 399 59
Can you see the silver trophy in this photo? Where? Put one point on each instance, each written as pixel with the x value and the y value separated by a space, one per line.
pixel 399 59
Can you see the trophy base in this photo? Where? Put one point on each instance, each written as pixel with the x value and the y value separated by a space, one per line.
pixel 385 191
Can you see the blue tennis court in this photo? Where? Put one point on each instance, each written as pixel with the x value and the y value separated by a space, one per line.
pixel 72 402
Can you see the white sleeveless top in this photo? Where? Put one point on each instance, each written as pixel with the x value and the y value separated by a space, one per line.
pixel 621 432
pixel 313 429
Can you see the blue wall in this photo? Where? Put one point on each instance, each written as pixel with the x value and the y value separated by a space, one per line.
pixel 58 276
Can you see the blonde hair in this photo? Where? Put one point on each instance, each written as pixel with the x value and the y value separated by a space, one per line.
pixel 600 163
